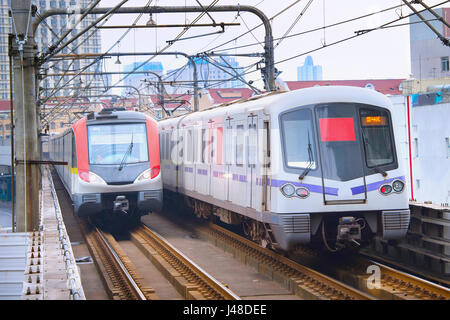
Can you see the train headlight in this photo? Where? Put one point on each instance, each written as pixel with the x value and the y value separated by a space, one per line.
pixel 93 178
pixel 398 186
pixel 288 190
pixel 146 175
pixel 302 192
pixel 385 189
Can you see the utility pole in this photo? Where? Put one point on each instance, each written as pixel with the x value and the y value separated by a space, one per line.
pixel 23 51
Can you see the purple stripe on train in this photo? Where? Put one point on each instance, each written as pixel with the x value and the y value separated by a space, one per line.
pixel 311 187
pixel 188 169
pixel 219 174
pixel 375 185
pixel 240 178
pixel 203 172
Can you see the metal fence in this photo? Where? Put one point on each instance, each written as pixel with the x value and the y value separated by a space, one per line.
pixel 5 188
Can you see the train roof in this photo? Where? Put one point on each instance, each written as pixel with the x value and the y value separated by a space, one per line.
pixel 275 103
pixel 109 116
pixel 115 114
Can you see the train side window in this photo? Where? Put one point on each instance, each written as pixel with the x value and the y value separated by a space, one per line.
pixel 228 146
pixel 167 146
pixel 212 148
pixel 252 144
pixel 189 147
pixel 194 145
pixel 204 145
pixel 240 145
pixel 74 152
pixel 171 144
pixel 219 145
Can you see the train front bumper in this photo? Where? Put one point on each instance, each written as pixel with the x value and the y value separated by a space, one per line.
pixel 92 203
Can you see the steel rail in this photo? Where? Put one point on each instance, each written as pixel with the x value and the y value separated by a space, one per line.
pixel 218 287
pixel 408 283
pixel 325 286
pixel 123 269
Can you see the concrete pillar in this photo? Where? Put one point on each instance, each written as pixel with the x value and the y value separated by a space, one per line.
pixel 26 123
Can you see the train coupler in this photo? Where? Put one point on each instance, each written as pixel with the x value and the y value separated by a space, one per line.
pixel 121 204
pixel 348 231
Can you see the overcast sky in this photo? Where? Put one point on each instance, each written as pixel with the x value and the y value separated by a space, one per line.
pixel 380 54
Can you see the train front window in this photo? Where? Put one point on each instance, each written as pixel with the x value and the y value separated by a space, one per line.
pixel 339 144
pixel 377 137
pixel 298 139
pixel 117 144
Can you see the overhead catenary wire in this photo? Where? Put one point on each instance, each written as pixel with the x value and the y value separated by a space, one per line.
pixel 98 59
pixel 310 30
pixel 294 23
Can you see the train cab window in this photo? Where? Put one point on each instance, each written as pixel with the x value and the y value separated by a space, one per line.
pixel 117 144
pixel 298 139
pixel 377 138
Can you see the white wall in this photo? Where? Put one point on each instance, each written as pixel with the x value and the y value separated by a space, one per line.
pixel 431 162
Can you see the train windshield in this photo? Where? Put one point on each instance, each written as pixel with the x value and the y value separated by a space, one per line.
pixel 377 137
pixel 338 141
pixel 299 141
pixel 117 143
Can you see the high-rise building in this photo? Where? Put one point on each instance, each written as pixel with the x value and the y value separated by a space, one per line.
pixel 46 34
pixel 5 29
pixel 209 75
pixel 309 71
pixel 53 27
pixel 136 80
pixel 429 56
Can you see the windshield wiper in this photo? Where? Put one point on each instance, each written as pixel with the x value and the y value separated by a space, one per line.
pixel 377 169
pixel 380 171
pixel 130 148
pixel 310 161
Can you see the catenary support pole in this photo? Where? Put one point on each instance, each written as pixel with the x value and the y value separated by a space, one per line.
pixel 23 51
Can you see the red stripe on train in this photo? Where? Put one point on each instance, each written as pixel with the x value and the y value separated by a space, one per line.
pixel 153 147
pixel 81 143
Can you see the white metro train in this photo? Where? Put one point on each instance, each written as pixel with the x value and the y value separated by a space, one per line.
pixel 311 165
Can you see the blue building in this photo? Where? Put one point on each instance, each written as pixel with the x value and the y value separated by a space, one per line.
pixel 135 80
pixel 309 71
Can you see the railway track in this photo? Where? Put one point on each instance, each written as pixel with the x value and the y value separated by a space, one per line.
pixel 124 281
pixel 401 285
pixel 190 280
pixel 374 278
pixel 303 281
pixel 120 276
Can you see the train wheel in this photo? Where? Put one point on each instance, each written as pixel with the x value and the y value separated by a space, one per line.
pixel 256 231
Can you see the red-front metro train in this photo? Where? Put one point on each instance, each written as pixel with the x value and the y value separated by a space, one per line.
pixel 113 163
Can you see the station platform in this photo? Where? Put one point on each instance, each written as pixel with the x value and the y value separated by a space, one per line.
pixel 38 265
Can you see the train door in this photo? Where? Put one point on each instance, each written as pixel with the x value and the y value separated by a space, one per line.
pixel 185 167
pixel 239 191
pixel 180 156
pixel 228 156
pixel 253 190
pixel 218 186
pixel 202 173
pixel 258 160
